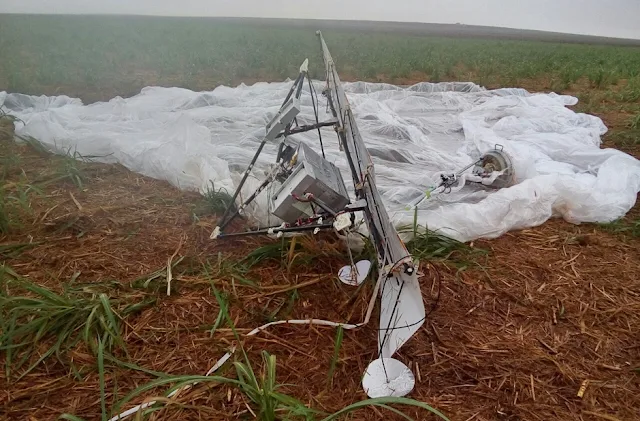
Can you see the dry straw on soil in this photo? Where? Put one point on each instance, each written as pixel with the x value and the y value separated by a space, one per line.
pixel 518 334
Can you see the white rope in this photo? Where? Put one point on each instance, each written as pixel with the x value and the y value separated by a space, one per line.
pixel 225 357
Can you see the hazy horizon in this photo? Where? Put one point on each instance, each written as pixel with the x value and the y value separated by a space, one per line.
pixel 617 19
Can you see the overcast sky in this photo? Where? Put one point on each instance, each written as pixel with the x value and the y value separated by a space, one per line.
pixel 615 18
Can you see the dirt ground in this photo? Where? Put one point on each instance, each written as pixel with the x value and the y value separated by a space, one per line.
pixel 517 332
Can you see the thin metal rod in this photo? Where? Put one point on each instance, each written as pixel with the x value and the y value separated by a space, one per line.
pixel 307 128
pixel 292 89
pixel 296 87
pixel 323 205
pixel 314 97
pixel 459 173
pixel 275 230
pixel 310 198
pixel 299 83
pixel 225 220
pixel 250 199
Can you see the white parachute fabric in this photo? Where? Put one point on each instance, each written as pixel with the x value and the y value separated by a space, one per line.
pixel 413 134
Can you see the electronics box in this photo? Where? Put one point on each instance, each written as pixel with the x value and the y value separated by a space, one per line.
pixel 312 174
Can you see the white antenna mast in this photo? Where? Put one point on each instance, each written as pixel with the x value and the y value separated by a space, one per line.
pixel 402 308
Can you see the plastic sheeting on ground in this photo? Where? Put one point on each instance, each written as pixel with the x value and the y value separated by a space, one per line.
pixel 414 134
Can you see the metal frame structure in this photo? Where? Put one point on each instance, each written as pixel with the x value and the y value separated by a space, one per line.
pixel 402 310
pixel 281 126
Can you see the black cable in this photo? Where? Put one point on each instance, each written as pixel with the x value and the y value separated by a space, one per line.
pixel 434 306
pixel 292 89
pixel 389 275
pixel 314 94
pixel 393 312
pixel 388 329
pixel 386 336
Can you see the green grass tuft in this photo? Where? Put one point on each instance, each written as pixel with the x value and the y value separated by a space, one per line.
pixel 634 122
pixel 228 268
pixel 384 403
pixel 15 204
pixel 103 399
pixel 72 171
pixel 223 302
pixel 62 321
pixel 214 202
pixel 156 280
pixel 336 352
pixel 7 125
pixel 622 138
pixel 5 217
pixel 599 78
pixel 631 93
pixel 271 251
pixel 429 245
pixel 262 390
pixel 13 250
pixel 621 226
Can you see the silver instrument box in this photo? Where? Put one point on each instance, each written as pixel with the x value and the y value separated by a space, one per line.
pixel 312 174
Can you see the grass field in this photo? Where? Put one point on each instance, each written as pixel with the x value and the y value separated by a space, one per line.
pixel 97 58
pixel 111 291
pixel 103 56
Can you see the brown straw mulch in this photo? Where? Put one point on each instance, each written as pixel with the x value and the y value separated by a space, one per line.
pixel 545 327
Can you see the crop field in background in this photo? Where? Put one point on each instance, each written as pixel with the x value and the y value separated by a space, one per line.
pixel 97 58
pixel 112 293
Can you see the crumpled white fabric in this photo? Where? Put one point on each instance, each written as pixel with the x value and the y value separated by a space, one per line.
pixel 413 133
